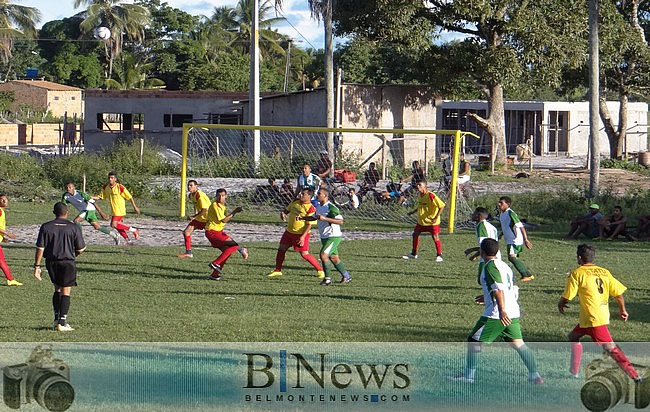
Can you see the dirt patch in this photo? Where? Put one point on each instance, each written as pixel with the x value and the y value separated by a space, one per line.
pixel 156 232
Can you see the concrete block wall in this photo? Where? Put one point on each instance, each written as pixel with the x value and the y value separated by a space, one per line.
pixel 8 134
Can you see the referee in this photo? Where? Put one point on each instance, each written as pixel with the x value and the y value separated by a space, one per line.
pixel 60 241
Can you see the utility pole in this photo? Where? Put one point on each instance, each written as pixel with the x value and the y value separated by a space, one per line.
pixel 254 94
pixel 329 79
pixel 594 95
pixel 287 68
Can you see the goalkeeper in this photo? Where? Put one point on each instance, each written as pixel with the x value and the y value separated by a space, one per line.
pixel 85 204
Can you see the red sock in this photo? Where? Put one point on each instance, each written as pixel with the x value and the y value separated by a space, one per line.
pixel 4 267
pixel 576 356
pixel 123 233
pixel 312 260
pixel 279 259
pixel 121 226
pixel 622 361
pixel 223 257
pixel 416 243
pixel 438 246
pixel 188 242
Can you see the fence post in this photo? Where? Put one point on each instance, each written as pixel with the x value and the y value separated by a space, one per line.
pixel 383 157
pixel 426 162
pixel 530 147
pixel 141 149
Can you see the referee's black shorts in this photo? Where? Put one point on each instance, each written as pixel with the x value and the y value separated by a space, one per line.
pixel 62 272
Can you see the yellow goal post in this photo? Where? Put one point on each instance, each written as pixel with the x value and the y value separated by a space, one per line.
pixel 255 132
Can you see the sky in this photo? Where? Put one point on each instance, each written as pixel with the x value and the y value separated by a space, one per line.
pixel 307 32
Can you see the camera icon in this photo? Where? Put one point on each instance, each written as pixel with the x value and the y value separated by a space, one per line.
pixel 606 385
pixel 42 378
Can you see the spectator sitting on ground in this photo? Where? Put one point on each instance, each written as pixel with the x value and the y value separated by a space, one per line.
pixel 643 228
pixel 265 192
pixel 324 165
pixel 417 174
pixel 587 224
pixel 612 226
pixel 286 190
pixel 354 199
pixel 371 176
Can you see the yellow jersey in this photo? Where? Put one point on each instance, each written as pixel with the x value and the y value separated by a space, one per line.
pixel 3 223
pixel 297 209
pixel 428 206
pixel 593 285
pixel 200 201
pixel 116 196
pixel 216 215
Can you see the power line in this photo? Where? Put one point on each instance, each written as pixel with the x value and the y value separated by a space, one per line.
pixel 294 27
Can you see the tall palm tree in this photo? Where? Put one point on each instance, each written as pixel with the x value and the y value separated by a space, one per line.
pixel 123 19
pixel 240 21
pixel 15 21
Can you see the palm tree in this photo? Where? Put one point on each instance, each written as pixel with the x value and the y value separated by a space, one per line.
pixel 133 74
pixel 239 20
pixel 15 21
pixel 123 19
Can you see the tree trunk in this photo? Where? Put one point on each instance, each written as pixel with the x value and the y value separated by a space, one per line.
pixel 615 134
pixel 494 124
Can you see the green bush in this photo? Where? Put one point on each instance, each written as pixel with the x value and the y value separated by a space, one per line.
pixel 622 164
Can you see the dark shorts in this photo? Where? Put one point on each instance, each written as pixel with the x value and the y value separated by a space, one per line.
pixel 196 224
pixel 62 272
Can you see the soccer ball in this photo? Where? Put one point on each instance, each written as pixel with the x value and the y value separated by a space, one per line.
pixel 103 33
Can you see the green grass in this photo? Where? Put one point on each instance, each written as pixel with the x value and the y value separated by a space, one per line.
pixel 147 294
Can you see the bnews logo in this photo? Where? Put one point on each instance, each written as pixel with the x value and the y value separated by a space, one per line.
pixel 262 372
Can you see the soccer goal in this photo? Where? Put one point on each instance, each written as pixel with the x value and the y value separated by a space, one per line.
pixel 371 169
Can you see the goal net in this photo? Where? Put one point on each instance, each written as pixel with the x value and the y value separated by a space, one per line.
pixel 373 169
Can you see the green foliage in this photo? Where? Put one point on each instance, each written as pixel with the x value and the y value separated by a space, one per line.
pixel 21 168
pixel 222 166
pixel 623 164
pixel 6 98
pixel 349 160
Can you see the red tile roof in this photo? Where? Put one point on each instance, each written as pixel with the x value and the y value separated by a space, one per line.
pixel 47 85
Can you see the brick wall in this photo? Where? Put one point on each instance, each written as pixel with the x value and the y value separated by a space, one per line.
pixel 59 102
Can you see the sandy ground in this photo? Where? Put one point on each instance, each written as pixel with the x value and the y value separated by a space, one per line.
pixel 168 233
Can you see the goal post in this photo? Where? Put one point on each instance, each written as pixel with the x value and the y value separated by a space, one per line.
pixel 225 151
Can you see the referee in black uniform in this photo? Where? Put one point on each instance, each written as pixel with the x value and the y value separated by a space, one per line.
pixel 60 241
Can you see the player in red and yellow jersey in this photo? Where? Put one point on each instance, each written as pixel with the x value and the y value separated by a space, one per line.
pixel 4 233
pixel 429 208
pixel 201 203
pixel 594 285
pixel 216 221
pixel 116 193
pixel 297 233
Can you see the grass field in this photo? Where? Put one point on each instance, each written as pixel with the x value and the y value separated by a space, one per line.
pixel 133 293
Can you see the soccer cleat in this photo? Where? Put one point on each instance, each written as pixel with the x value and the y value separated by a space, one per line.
pixel 185 255
pixel 275 274
pixel 574 375
pixel 439 258
pixel 63 328
pixel 136 234
pixel 214 276
pixel 244 253
pixel 326 282
pixel 410 256
pixel 537 381
pixel 215 267
pixel 320 274
pixel 460 378
pixel 345 280
pixel 527 278
pixel 13 282
pixel 116 239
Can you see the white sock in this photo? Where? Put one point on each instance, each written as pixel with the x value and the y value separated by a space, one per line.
pixel 132 229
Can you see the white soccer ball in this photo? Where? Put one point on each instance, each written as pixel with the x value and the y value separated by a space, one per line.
pixel 103 33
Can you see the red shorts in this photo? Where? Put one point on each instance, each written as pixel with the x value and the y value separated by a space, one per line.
pixel 217 238
pixel 599 334
pixel 196 224
pixel 117 218
pixel 293 239
pixel 434 229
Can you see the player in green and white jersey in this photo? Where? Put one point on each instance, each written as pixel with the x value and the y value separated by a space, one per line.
pixel 516 237
pixel 500 318
pixel 484 230
pixel 329 228
pixel 85 204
